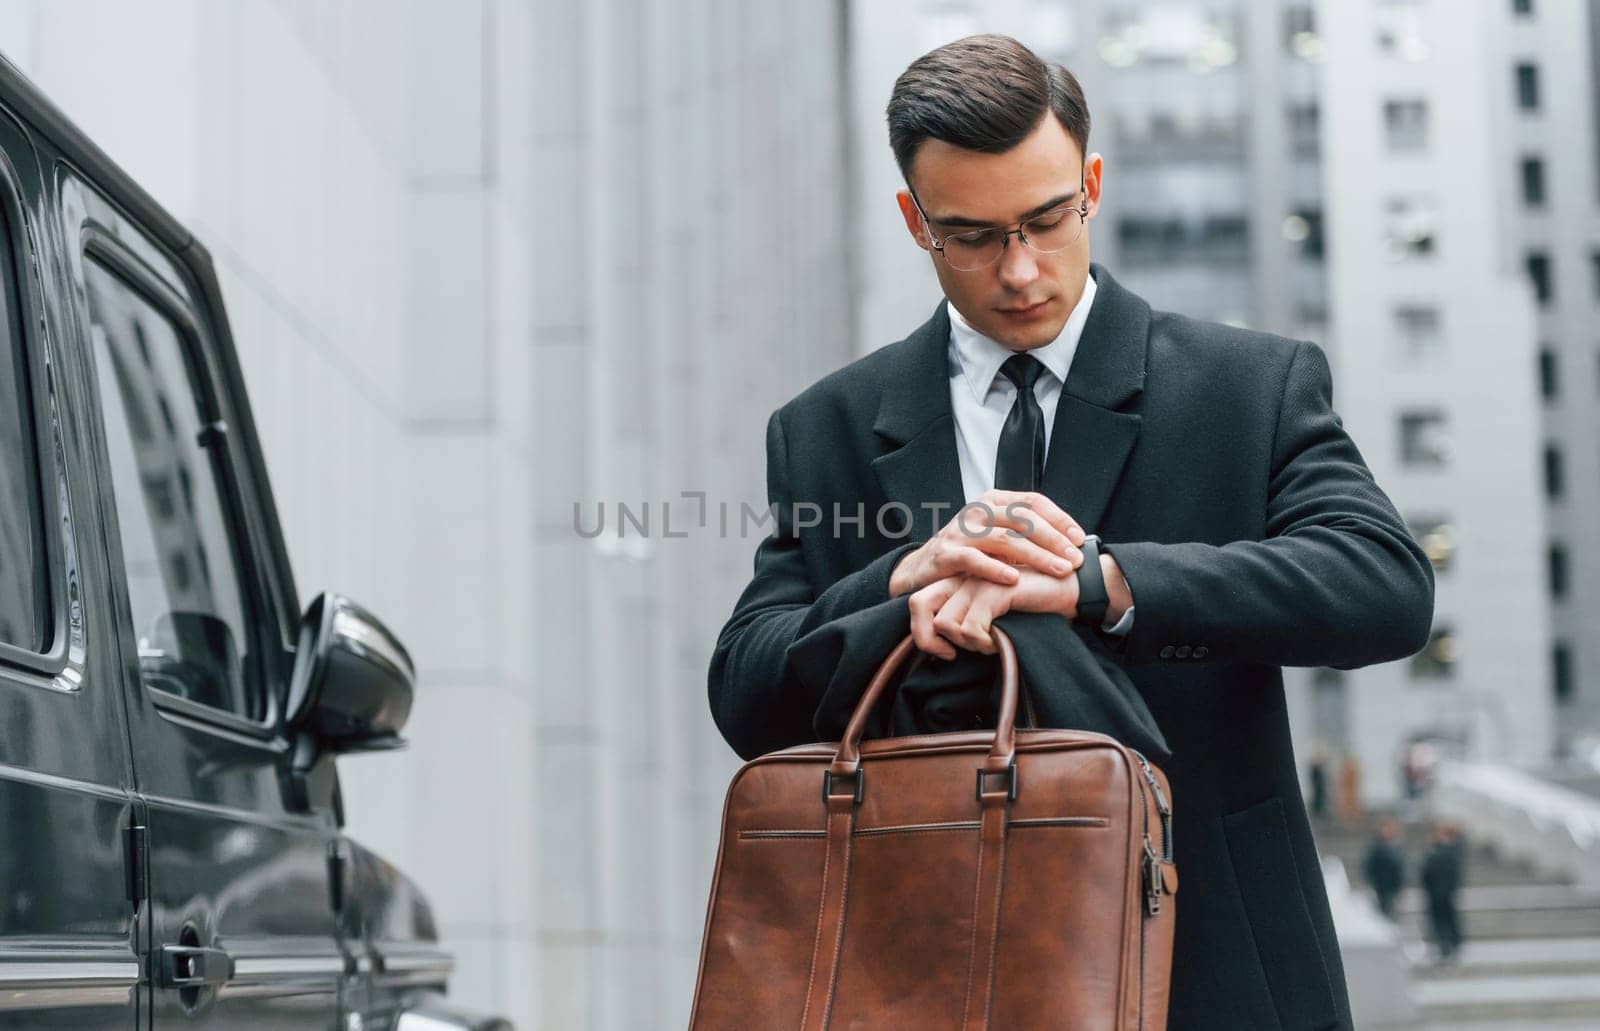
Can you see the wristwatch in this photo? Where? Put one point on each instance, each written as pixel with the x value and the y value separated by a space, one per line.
pixel 1092 597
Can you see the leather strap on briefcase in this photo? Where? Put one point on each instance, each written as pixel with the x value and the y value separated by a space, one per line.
pixel 976 879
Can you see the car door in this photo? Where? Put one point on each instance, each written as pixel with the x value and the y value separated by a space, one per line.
pixel 243 930
pixel 70 950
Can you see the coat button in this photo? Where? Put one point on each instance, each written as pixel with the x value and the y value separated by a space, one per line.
pixel 1183 651
pixel 1166 651
pixel 1201 651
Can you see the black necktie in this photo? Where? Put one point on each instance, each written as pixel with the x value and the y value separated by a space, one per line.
pixel 1019 462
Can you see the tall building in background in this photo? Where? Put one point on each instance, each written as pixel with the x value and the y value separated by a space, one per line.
pixel 1434 326
pixel 1541 92
pixel 486 261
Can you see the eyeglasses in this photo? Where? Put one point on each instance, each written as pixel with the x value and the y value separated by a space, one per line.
pixel 1045 233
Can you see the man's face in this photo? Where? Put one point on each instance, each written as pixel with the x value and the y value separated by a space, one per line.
pixel 1022 300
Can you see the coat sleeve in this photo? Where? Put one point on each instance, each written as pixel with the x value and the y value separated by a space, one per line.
pixel 757 700
pixel 1337 581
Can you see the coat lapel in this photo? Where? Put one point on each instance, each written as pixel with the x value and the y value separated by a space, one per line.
pixel 1090 439
pixel 914 412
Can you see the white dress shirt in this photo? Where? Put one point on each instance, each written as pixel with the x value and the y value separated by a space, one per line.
pixel 982 398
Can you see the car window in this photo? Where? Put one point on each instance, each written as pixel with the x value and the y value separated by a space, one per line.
pixel 24 578
pixel 184 582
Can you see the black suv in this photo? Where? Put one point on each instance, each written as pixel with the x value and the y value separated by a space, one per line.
pixel 170 844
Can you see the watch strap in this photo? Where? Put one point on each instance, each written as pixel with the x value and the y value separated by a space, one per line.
pixel 1092 598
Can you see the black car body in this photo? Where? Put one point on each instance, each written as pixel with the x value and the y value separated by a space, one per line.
pixel 172 853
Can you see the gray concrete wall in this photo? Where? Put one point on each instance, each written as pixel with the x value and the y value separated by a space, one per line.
pixel 484 260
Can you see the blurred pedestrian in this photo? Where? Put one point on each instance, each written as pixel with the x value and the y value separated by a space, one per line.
pixel 1416 771
pixel 1384 865
pixel 1441 880
pixel 1319 782
pixel 1351 812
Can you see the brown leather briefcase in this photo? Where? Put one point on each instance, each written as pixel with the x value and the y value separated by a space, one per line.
pixel 1010 879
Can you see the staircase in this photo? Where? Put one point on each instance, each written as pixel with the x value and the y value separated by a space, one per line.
pixel 1531 961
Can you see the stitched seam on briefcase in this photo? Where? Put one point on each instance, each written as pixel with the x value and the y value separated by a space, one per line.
pixel 972 952
pixel 917 828
pixel 838 944
pixel 757 833
pixel 1061 821
pixel 994 940
pixel 816 941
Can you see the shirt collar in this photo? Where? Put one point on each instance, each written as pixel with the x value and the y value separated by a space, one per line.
pixel 980 358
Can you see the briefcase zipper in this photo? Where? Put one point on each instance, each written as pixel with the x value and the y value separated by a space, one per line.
pixel 1151 864
pixel 1162 806
pixel 1144 823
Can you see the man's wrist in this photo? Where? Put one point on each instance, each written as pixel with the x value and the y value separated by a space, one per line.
pixel 1092 602
pixel 901 578
pixel 1119 596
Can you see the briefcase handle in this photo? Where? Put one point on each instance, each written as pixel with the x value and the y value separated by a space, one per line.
pixel 847 760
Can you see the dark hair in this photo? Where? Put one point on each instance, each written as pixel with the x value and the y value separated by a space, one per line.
pixel 983 93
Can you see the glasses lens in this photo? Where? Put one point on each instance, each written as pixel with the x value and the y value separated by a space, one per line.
pixel 970 251
pixel 1054 231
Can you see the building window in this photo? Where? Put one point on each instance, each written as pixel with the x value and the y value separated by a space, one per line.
pixel 1409 228
pixel 1304 227
pixel 1555 480
pixel 1559 580
pixel 1424 439
pixel 1399 25
pixel 1436 537
pixel 1405 124
pixel 1561 671
pixel 1330 707
pixel 1539 274
pixel 1528 86
pixel 1438 659
pixel 1159 240
pixel 1417 327
pixel 1549 374
pixel 1201 41
pixel 1300 37
pixel 1304 125
pixel 1533 182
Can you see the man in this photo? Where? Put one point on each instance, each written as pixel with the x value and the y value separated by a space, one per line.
pixel 1384 865
pixel 1241 529
pixel 1441 879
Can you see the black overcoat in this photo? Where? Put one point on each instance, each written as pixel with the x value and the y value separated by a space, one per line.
pixel 1252 535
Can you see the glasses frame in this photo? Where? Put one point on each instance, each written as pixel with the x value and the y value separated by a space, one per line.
pixel 937 243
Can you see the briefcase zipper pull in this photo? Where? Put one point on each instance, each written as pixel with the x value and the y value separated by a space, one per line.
pixel 1162 806
pixel 1161 799
pixel 1152 879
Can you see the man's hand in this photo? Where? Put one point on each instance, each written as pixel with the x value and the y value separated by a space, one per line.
pixel 958 611
pixel 989 538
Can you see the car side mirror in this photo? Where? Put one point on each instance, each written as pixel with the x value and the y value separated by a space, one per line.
pixel 353 681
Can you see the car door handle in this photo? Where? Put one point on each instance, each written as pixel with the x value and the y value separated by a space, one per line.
pixel 190 966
